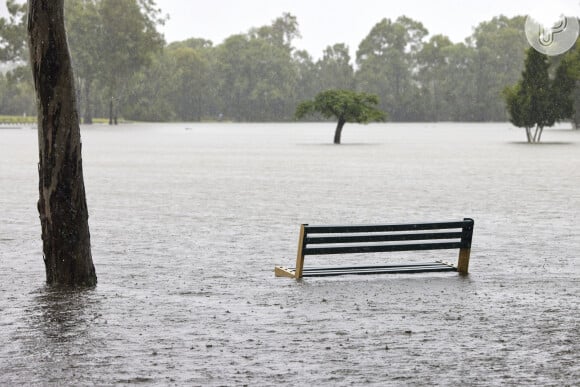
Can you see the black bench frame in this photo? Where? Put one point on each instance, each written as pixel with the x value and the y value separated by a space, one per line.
pixel 319 240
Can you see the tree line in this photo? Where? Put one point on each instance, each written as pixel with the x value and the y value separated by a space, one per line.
pixel 124 68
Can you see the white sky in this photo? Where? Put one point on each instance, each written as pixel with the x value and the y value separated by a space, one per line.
pixel 325 22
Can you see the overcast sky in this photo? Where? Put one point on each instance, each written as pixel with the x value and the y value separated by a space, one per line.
pixel 325 22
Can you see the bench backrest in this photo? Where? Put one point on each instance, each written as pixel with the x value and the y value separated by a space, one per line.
pixel 319 240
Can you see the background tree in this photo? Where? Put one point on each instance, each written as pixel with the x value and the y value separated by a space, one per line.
pixel 256 76
pixel 84 31
pixel 237 72
pixel 387 59
pixel 190 74
pixel 500 46
pixel 62 204
pixel 345 106
pixel 110 42
pixel 432 64
pixel 334 70
pixel 129 38
pixel 16 91
pixel 530 102
pixel 306 75
pixel 460 86
pixel 151 93
pixel 260 76
pixel 572 59
pixel 13 33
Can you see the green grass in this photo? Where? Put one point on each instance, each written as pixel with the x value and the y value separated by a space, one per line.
pixel 17 119
pixel 11 120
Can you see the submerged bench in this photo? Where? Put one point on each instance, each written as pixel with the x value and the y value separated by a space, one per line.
pixel 321 240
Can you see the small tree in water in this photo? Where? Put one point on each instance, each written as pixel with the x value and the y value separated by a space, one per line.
pixel 535 101
pixel 344 105
pixel 62 204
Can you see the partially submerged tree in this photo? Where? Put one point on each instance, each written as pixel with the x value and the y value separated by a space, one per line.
pixel 535 101
pixel 345 106
pixel 334 70
pixel 62 204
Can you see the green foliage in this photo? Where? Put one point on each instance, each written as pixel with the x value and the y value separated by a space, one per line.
pixel 563 87
pixel 517 102
pixel 572 65
pixel 194 43
pixel 387 58
pixel 344 105
pixel 499 46
pixel 5 119
pixel 434 75
pixel 110 42
pixel 572 58
pixel 259 75
pixel 535 101
pixel 129 40
pixel 16 93
pixel 256 76
pixel 334 70
pixel 13 33
pixel 280 33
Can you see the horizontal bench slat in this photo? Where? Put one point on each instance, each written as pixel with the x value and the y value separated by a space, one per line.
pixel 384 227
pixel 380 248
pixel 403 265
pixel 399 269
pixel 382 238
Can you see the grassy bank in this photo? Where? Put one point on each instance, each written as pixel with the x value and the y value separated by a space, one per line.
pixel 20 120
pixel 17 120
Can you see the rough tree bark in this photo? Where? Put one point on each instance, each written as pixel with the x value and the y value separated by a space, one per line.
pixel 62 204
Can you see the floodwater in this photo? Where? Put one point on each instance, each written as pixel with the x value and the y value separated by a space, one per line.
pixel 188 220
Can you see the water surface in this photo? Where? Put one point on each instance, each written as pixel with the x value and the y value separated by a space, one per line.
pixel 188 220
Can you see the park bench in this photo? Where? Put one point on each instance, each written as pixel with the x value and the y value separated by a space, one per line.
pixel 322 240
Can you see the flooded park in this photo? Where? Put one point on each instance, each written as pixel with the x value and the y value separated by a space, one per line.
pixel 188 221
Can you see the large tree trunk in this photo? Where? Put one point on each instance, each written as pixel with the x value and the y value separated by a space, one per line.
pixel 338 131
pixel 62 204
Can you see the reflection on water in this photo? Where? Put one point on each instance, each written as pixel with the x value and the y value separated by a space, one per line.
pixel 61 315
pixel 187 225
pixel 57 334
